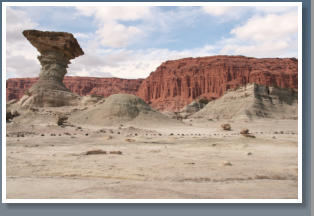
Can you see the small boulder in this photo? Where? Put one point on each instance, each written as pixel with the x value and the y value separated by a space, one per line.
pixel 244 131
pixel 227 163
pixel 226 127
pixel 94 152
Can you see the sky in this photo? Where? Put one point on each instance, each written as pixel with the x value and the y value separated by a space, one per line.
pixel 131 42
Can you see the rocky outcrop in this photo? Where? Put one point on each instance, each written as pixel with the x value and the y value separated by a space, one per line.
pixel 177 83
pixel 252 101
pixel 190 109
pixel 16 87
pixel 120 109
pixel 56 49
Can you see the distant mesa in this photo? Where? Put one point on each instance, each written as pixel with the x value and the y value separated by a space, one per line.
pixel 56 49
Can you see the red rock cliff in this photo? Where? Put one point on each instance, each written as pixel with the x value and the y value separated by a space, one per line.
pixel 79 85
pixel 176 83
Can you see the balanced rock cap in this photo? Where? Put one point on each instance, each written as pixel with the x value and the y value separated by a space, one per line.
pixel 46 41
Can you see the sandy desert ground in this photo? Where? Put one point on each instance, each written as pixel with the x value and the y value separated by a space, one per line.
pixel 196 160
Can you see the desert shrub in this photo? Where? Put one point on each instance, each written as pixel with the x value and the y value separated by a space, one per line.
pixel 11 114
pixel 203 101
pixel 62 120
pixel 96 96
pixel 27 93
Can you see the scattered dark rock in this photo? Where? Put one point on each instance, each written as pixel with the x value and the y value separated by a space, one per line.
pixel 130 140
pixel 95 152
pixel 227 163
pixel 116 152
pixel 244 131
pixel 249 135
pixel 226 127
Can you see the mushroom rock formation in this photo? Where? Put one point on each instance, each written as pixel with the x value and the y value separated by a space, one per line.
pixel 56 49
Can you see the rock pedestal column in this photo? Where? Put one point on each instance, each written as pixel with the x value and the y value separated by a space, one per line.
pixel 56 49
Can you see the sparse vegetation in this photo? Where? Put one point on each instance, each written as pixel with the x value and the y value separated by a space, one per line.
pixel 203 101
pixel 62 120
pixel 27 93
pixel 11 114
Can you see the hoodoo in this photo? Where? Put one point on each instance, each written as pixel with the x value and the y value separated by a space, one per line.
pixel 56 50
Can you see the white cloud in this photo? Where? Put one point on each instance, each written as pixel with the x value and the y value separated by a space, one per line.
pixel 230 13
pixel 124 63
pixel 218 10
pixel 111 32
pixel 269 27
pixel 227 13
pixel 269 35
pixel 276 9
pixel 117 35
pixel 20 54
pixel 103 14
pixel 263 49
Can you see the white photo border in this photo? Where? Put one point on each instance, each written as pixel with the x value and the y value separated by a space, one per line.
pixel 275 4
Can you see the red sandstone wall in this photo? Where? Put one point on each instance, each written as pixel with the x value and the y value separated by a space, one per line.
pixel 79 85
pixel 177 83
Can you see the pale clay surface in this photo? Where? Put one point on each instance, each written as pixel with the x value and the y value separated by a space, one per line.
pixel 153 165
